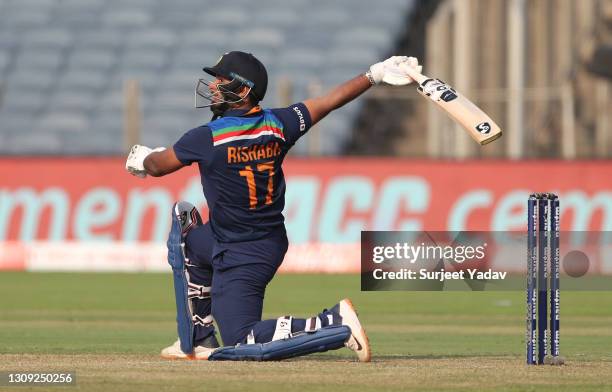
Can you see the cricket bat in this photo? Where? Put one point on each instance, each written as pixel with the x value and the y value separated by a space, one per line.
pixel 478 124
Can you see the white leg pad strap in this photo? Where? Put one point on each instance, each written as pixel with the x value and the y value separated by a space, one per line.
pixel 251 338
pixel 312 324
pixel 197 291
pixel 197 320
pixel 283 328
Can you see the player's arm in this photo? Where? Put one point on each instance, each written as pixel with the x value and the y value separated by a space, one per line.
pixel 160 163
pixel 388 71
pixel 339 96
pixel 143 161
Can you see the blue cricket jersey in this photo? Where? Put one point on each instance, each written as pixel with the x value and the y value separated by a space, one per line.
pixel 240 156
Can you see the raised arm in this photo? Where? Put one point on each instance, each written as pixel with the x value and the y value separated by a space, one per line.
pixel 339 96
pixel 143 161
pixel 160 163
pixel 388 72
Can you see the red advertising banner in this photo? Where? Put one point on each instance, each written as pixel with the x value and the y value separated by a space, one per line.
pixel 328 200
pixel 90 214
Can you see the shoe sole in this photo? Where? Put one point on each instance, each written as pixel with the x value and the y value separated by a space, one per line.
pixel 190 357
pixel 175 358
pixel 185 358
pixel 357 331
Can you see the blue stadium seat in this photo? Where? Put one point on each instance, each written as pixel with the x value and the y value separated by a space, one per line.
pixel 191 61
pixel 100 39
pixel 92 59
pixel 316 38
pixel 74 101
pixel 152 38
pixel 49 39
pixel 177 19
pixel 331 20
pixel 148 79
pixel 118 18
pixel 22 102
pixel 63 121
pixel 276 16
pixel 25 19
pixel 14 122
pixel 204 36
pixel 145 59
pixel 96 143
pixel 357 56
pixel 164 129
pixel 131 4
pixel 35 143
pixel 107 121
pixel 302 58
pixel 194 6
pixel 180 80
pixel 36 80
pixel 258 38
pixel 5 60
pixel 228 17
pixel 111 100
pixel 87 79
pixel 8 37
pixel 35 59
pixel 33 4
pixel 372 37
pixel 173 102
pixel 78 20
pixel 84 5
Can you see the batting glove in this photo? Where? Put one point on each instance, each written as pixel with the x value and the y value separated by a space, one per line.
pixel 135 160
pixel 390 72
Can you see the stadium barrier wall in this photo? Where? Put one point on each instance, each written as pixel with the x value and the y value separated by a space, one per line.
pixel 89 214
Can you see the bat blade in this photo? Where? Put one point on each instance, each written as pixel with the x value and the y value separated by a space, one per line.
pixel 476 122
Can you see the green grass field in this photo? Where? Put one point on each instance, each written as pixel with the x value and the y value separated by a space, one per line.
pixel 109 328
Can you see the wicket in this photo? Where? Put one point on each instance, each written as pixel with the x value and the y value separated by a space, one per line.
pixel 543 250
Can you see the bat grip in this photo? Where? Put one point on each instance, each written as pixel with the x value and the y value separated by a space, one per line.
pixel 417 77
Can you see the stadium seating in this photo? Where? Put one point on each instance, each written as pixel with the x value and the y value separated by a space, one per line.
pixel 63 63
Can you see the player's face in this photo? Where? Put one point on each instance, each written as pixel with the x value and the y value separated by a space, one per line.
pixel 217 97
pixel 218 94
pixel 217 84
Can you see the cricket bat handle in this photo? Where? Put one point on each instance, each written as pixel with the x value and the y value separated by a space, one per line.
pixel 414 75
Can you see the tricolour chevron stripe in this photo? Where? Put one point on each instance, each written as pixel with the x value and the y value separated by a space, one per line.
pixel 247 131
pixel 253 133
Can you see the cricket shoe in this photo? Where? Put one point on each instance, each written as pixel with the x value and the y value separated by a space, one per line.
pixel 358 341
pixel 200 352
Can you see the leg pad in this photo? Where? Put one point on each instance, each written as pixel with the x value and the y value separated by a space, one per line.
pixel 324 339
pixel 184 217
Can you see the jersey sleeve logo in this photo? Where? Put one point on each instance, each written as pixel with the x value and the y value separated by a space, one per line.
pixel 300 118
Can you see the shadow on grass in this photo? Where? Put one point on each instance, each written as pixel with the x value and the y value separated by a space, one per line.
pixel 391 357
pixel 435 356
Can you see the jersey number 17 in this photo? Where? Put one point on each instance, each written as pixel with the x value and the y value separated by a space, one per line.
pixel 250 178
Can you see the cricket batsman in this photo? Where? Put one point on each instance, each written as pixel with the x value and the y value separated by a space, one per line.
pixel 221 268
